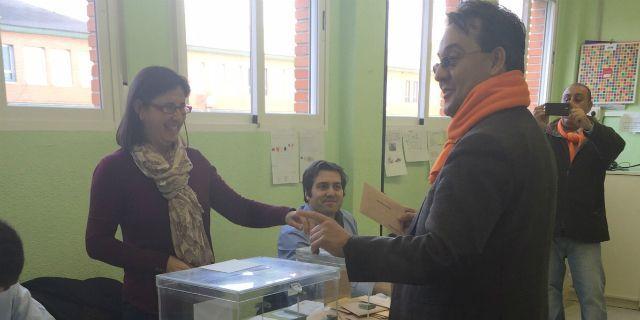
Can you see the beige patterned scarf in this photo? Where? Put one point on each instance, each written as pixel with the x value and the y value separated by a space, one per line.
pixel 185 213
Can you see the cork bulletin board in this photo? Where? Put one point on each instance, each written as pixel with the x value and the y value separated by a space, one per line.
pixel 610 70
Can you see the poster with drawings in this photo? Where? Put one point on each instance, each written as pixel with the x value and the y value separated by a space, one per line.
pixel 610 70
pixel 415 144
pixel 436 140
pixel 284 157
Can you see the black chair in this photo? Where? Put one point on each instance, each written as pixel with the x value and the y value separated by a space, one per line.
pixel 71 299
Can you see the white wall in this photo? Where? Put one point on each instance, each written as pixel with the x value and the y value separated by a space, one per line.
pixel 621 255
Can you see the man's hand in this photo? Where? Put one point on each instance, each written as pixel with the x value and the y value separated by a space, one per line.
pixel 579 117
pixel 541 116
pixel 407 218
pixel 327 234
pixel 296 220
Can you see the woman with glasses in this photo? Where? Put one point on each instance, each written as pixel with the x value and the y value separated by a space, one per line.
pixel 160 191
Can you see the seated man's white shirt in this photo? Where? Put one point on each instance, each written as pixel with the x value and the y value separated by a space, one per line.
pixel 16 303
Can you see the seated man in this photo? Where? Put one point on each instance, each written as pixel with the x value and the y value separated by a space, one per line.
pixel 323 185
pixel 16 302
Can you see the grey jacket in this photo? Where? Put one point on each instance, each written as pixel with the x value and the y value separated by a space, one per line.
pixel 479 247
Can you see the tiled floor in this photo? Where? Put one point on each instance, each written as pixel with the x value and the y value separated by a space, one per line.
pixel 572 312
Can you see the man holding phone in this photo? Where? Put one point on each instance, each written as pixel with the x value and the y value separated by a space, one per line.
pixel 584 149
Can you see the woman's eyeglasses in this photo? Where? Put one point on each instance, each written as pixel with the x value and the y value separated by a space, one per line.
pixel 172 108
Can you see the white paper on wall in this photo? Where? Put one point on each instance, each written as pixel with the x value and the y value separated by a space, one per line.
pixel 394 164
pixel 284 157
pixel 311 148
pixel 630 122
pixel 414 141
pixel 436 140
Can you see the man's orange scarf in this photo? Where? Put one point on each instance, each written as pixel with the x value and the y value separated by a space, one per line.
pixel 575 139
pixel 501 92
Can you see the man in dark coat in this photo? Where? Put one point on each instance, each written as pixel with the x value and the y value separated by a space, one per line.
pixel 584 149
pixel 479 246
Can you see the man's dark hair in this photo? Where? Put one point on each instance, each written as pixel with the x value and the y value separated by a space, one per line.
pixel 496 26
pixel 148 84
pixel 310 174
pixel 11 256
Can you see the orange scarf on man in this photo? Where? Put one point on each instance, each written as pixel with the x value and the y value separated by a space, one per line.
pixel 501 92
pixel 575 139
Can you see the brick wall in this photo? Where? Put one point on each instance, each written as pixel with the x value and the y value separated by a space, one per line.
pixel 537 17
pixel 302 60
pixel 93 53
pixel 451 5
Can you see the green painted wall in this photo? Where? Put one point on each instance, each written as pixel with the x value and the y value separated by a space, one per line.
pixel 580 20
pixel 621 23
pixel 410 189
pixel 147 34
pixel 44 194
pixel 576 23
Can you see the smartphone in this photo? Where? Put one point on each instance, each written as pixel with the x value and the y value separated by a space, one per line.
pixel 556 109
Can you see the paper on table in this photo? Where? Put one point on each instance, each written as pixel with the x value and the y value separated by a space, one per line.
pixel 353 306
pixel 630 122
pixel 415 145
pixel 394 164
pixel 311 148
pixel 230 266
pixel 382 209
pixel 378 299
pixel 284 157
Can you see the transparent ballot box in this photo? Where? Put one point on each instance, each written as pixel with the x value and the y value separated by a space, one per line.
pixel 346 289
pixel 254 288
pixel 356 300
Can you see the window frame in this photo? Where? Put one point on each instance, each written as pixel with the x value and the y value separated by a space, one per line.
pixel 12 63
pixel 41 54
pixel 53 73
pixel 548 55
pixel 425 69
pixel 424 78
pixel 34 118
pixel 258 118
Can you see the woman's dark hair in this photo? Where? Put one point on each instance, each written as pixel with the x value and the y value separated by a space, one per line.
pixel 310 174
pixel 148 84
pixel 11 256
pixel 499 27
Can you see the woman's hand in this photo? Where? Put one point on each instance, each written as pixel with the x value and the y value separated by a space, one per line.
pixel 175 264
